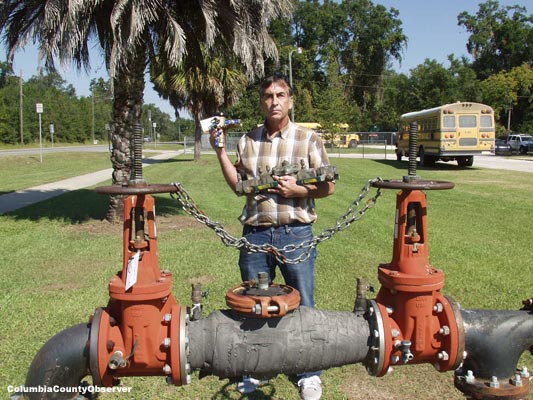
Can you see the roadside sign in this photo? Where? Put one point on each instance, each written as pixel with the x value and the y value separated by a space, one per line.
pixel 39 108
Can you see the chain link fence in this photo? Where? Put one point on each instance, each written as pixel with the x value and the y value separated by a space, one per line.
pixel 374 145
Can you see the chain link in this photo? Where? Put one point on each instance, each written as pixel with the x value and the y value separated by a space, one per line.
pixel 353 214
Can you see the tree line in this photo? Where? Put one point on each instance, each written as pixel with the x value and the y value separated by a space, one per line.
pixel 208 57
pixel 344 72
pixel 67 117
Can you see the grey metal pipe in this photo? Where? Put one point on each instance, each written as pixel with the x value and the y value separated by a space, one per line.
pixel 495 340
pixel 63 361
pixel 227 345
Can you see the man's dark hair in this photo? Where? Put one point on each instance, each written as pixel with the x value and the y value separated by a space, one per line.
pixel 269 80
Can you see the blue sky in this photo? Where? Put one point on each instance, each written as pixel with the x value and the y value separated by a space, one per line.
pixel 430 25
pixel 432 30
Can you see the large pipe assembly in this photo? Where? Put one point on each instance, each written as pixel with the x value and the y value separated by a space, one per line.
pixel 143 331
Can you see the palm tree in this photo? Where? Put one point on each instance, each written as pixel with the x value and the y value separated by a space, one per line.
pixel 133 34
pixel 204 88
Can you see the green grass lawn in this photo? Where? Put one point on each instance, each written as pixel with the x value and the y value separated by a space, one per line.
pixel 24 171
pixel 59 256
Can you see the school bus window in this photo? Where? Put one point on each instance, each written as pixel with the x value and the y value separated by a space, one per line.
pixel 448 121
pixel 467 121
pixel 485 121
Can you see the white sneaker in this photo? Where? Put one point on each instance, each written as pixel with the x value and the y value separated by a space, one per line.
pixel 310 388
pixel 248 384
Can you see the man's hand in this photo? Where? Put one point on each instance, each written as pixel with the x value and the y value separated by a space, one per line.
pixel 287 187
pixel 214 135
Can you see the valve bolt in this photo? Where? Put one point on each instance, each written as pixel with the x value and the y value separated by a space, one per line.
pixel 262 278
pixel 445 330
pixel 517 381
pixel 494 383
pixel 167 370
pixel 470 376
pixel 167 317
pixel 166 342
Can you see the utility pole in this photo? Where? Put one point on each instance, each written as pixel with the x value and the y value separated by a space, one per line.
pixel 150 123
pixel 509 111
pixel 39 109
pixel 20 110
pixel 299 50
pixel 92 114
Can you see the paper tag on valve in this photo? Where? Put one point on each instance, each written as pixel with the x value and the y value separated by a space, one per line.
pixel 133 268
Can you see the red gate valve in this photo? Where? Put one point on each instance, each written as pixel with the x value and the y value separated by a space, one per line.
pixel 411 320
pixel 142 331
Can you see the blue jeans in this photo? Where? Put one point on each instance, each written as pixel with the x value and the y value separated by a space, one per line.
pixel 300 276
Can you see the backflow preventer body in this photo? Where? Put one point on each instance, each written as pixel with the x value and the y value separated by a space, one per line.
pixel 143 331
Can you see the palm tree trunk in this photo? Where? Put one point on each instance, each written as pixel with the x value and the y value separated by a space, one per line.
pixel 127 108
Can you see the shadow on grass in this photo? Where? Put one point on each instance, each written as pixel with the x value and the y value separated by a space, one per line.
pixel 83 205
pixel 228 390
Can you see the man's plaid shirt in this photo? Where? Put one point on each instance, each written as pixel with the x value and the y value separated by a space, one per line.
pixel 257 153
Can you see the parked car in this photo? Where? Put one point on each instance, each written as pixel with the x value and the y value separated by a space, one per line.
pixel 502 148
pixel 520 143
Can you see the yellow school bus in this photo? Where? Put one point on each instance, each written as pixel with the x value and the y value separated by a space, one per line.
pixel 345 140
pixel 340 140
pixel 456 131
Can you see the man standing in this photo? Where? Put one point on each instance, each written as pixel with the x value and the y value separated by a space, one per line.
pixel 284 214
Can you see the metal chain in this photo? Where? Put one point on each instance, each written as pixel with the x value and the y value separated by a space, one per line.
pixel 353 214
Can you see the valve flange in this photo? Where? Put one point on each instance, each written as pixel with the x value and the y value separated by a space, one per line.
pixel 272 301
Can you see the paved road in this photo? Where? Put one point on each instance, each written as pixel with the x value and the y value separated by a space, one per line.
pixel 498 162
pixel 524 164
pixel 57 149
